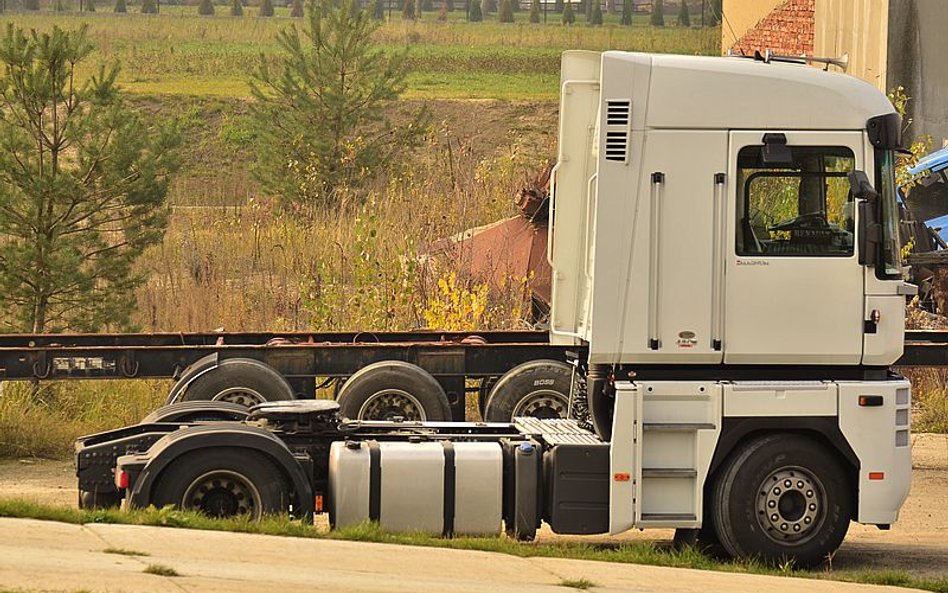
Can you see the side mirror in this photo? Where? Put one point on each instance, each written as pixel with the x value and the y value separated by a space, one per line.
pixel 870 228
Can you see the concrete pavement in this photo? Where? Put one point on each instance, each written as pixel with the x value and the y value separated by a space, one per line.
pixel 48 556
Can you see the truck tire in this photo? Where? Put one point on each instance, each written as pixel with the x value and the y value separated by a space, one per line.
pixel 537 388
pixel 224 482
pixel 782 497
pixel 243 381
pixel 392 389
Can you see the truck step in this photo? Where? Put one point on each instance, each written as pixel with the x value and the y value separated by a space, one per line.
pixel 676 426
pixel 668 472
pixel 669 517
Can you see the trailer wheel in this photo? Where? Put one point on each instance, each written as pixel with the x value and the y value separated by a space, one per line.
pixel 393 389
pixel 224 482
pixel 242 381
pixel 782 497
pixel 538 388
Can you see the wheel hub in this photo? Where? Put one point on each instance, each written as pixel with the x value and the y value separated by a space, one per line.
pixel 243 396
pixel 222 493
pixel 790 504
pixel 389 404
pixel 542 404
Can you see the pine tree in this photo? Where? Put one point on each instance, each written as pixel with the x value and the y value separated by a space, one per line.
pixel 489 6
pixel 120 6
pixel 236 8
pixel 658 13
pixel 558 6
pixel 266 8
pixel 535 11
pixel 84 192
pixel 296 11
pixel 568 17
pixel 627 12
pixel 684 18
pixel 323 109
pixel 475 15
pixel 149 7
pixel 378 10
pixel 506 12
pixel 206 8
pixel 596 18
pixel 408 10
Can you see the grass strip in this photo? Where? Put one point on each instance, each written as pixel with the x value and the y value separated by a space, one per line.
pixel 628 553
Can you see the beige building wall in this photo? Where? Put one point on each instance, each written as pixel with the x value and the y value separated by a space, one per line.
pixel 859 28
pixel 742 16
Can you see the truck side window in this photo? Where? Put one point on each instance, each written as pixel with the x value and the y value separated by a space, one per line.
pixel 801 208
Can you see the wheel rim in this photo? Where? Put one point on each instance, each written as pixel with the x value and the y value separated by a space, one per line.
pixel 243 396
pixel 389 404
pixel 223 493
pixel 542 404
pixel 791 505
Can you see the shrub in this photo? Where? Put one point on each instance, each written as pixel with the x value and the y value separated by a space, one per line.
pixel 236 8
pixel 684 18
pixel 506 12
pixel 427 6
pixel 378 10
pixel 266 8
pixel 596 18
pixel 297 10
pixel 448 5
pixel 475 15
pixel 568 17
pixel 627 12
pixel 206 8
pixel 89 6
pixel 558 6
pixel 408 10
pixel 658 14
pixel 489 6
pixel 31 5
pixel 149 7
pixel 120 6
pixel 535 11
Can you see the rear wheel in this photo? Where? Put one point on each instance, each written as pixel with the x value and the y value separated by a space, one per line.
pixel 243 381
pixel 393 389
pixel 539 388
pixel 782 497
pixel 224 482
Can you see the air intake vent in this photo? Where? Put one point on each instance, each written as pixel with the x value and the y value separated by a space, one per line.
pixel 618 112
pixel 618 122
pixel 617 146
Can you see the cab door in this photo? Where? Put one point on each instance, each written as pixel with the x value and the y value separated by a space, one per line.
pixel 793 283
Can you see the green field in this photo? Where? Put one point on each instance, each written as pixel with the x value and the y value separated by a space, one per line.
pixel 178 52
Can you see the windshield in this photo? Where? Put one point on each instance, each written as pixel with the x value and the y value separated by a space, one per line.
pixel 891 265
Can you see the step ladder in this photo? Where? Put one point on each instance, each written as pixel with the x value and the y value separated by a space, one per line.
pixel 663 439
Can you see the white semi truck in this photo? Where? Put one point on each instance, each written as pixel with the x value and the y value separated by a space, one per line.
pixel 725 270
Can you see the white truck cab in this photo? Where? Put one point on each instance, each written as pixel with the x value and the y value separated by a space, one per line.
pixel 725 242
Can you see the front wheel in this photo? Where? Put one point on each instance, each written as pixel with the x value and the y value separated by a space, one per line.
pixel 782 497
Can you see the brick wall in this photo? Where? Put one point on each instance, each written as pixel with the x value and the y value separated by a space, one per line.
pixel 788 30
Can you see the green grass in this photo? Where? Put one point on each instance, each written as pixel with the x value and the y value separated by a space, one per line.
pixel 581 584
pixel 628 553
pixel 161 570
pixel 124 552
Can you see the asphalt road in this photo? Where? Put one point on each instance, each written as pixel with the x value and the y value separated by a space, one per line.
pixel 47 556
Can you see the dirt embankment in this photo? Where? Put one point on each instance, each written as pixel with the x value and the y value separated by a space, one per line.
pixel 917 544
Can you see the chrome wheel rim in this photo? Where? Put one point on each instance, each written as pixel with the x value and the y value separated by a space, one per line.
pixel 542 404
pixel 243 396
pixel 389 404
pixel 223 493
pixel 791 505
